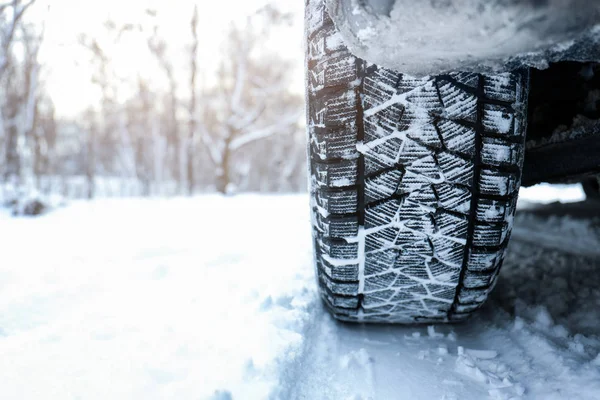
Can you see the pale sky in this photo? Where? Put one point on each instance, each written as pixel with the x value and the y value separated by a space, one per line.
pixel 67 74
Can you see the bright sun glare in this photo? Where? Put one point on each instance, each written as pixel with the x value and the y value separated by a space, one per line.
pixel 68 74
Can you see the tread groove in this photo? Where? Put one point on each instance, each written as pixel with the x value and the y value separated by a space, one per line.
pixel 474 192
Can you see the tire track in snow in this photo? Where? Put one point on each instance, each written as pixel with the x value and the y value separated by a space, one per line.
pixel 325 369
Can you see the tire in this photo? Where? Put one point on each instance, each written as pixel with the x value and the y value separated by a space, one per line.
pixel 414 182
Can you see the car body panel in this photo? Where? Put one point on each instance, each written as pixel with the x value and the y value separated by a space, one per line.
pixel 435 36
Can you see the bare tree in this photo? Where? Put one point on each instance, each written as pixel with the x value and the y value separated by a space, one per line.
pixel 19 109
pixel 252 98
pixel 191 148
pixel 10 129
pixel 111 135
pixel 90 152
pixel 45 136
pixel 239 130
pixel 158 47
pixel 11 14
pixel 101 78
pixel 139 120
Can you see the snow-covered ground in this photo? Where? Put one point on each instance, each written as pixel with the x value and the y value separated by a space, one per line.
pixel 214 298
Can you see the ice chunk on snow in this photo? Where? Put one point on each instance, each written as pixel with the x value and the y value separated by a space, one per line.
pixel 482 354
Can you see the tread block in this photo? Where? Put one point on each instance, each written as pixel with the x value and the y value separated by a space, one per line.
pixel 412 152
pixel 454 198
pixel 410 210
pixel 469 79
pixel 414 243
pixel 502 87
pixel 341 71
pixel 455 169
pixel 379 88
pixel 382 78
pixel 374 164
pixel 483 260
pixel 383 124
pixel 380 282
pixel 337 227
pixel 424 224
pixel 396 149
pixel 406 258
pixel 337 287
pixel 342 306
pixel 382 239
pixel 381 261
pixel 316 77
pixel 471 296
pixel 341 109
pixel 457 137
pixel 381 155
pixel 416 179
pixel 448 252
pixel 496 183
pixel 339 249
pixel 345 202
pixel 451 225
pixel 439 307
pixel 343 173
pixel 497 119
pixel 498 153
pixel 408 297
pixel 443 273
pixel 316 16
pixel 408 84
pixel 427 135
pixel 382 214
pixel 347 273
pixel 316 46
pixel 335 143
pixel 493 211
pixel 462 312
pixel 473 279
pixel 382 186
pixel 422 198
pixel 382 308
pixel 426 97
pixel 458 104
pixel 489 235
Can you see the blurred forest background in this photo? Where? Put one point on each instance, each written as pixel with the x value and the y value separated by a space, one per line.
pixel 191 112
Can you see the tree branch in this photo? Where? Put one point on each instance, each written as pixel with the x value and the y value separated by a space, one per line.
pixel 262 133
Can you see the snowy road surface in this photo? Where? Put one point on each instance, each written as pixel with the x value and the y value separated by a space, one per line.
pixel 214 298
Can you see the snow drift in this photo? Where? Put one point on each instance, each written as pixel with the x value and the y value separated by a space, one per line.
pixel 213 298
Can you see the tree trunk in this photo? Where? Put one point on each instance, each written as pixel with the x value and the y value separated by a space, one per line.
pixel 12 172
pixel 223 174
pixel 91 162
pixel 192 111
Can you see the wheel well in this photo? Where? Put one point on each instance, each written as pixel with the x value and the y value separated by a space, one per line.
pixel 560 94
pixel 563 133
